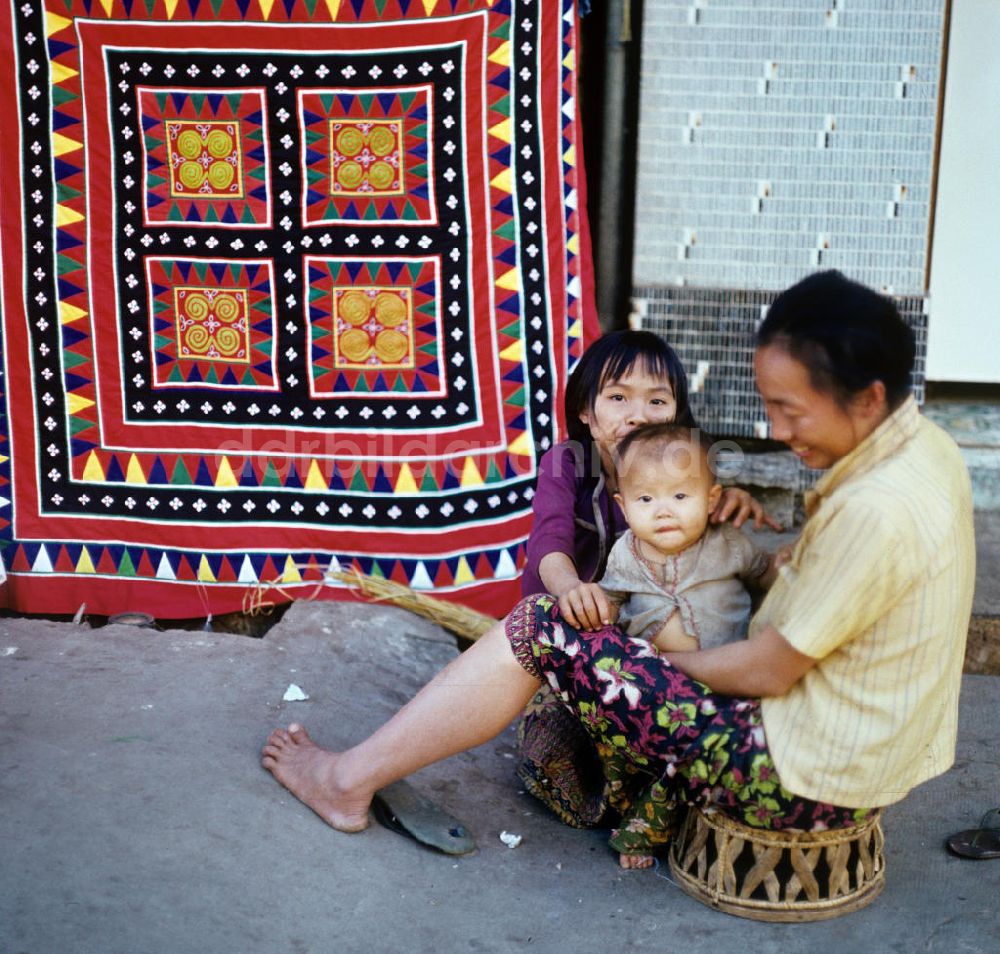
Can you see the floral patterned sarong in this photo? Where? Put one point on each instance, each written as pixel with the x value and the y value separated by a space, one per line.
pixel 663 740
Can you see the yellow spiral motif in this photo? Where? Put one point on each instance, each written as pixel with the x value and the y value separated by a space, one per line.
pixel 391 346
pixel 228 341
pixel 196 307
pixel 191 175
pixel 354 345
pixel 227 308
pixel 381 175
pixel 381 141
pixel 197 339
pixel 219 143
pixel 354 307
pixel 220 175
pixel 350 174
pixel 350 141
pixel 189 144
pixel 390 309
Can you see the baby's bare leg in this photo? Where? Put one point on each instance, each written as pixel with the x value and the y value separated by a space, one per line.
pixel 632 862
pixel 469 702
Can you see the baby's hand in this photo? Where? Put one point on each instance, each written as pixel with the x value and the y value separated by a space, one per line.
pixel 737 505
pixel 782 556
pixel 586 606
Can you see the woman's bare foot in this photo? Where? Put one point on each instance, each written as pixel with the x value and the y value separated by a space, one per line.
pixel 635 861
pixel 310 774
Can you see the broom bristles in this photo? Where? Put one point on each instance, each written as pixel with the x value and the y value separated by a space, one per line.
pixel 468 623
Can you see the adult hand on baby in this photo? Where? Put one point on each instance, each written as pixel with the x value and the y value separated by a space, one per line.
pixel 586 606
pixel 737 505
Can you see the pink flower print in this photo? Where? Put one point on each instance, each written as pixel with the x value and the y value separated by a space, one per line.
pixel 555 636
pixel 618 683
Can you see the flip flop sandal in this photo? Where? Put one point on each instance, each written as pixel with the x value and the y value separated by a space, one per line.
pixel 401 808
pixel 979 843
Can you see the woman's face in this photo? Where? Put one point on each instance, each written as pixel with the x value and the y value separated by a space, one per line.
pixel 819 431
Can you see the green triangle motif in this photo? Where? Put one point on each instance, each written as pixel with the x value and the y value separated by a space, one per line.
pixel 180 474
pixel 176 376
pixel 493 475
pixel 359 483
pixel 66 265
pixel 64 192
pixel 502 105
pixel 270 478
pixel 427 483
pixel 516 399
pixel 126 567
pixel 78 424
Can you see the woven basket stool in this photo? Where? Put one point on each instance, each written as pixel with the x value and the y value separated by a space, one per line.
pixel 778 876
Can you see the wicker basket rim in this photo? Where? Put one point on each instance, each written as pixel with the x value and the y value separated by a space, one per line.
pixel 722 822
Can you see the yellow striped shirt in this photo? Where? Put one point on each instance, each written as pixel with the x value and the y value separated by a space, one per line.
pixel 879 590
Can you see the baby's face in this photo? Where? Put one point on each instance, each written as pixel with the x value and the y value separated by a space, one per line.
pixel 667 500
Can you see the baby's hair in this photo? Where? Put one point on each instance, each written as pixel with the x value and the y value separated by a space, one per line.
pixel 609 358
pixel 846 335
pixel 655 438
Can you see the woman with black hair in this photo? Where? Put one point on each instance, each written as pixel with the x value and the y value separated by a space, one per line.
pixel 844 696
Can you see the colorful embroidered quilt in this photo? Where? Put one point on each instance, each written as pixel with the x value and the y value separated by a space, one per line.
pixel 287 285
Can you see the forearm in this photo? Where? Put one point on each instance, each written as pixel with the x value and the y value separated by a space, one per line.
pixel 766 665
pixel 558 572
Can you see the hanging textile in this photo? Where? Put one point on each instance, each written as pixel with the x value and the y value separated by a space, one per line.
pixel 286 286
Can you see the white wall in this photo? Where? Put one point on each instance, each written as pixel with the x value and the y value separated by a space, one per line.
pixel 964 320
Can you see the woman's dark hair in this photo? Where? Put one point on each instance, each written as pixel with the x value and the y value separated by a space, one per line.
pixel 608 359
pixel 846 334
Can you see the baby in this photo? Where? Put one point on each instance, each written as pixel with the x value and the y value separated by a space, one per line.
pixel 675 580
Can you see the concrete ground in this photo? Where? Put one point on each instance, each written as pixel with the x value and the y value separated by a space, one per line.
pixel 135 819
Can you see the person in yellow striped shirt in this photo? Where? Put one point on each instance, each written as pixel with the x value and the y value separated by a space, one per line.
pixel 844 696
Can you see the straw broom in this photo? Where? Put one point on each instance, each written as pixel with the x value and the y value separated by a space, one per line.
pixel 467 623
pixel 458 619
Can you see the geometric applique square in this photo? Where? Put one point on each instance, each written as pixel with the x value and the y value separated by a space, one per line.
pixel 374 326
pixel 205 157
pixel 367 156
pixel 211 323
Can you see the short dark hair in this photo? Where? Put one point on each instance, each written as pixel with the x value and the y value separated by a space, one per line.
pixel 846 334
pixel 610 357
pixel 662 434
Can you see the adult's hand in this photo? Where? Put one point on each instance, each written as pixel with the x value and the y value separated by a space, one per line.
pixel 738 506
pixel 586 606
pixel 764 665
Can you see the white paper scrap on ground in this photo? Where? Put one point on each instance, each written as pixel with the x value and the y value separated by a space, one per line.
pixel 511 841
pixel 294 694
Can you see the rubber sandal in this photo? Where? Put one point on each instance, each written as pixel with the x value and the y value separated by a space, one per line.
pixel 979 843
pixel 401 808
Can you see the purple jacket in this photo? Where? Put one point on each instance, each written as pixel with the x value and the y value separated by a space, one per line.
pixel 573 514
